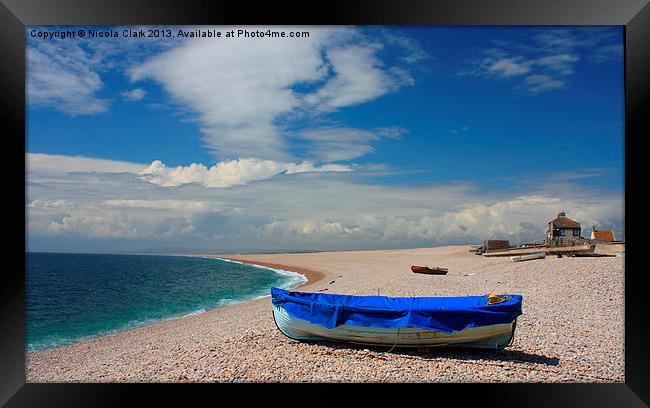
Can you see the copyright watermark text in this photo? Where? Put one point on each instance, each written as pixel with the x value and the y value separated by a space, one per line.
pixel 165 33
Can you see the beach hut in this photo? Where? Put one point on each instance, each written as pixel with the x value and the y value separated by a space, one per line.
pixel 602 235
pixel 563 231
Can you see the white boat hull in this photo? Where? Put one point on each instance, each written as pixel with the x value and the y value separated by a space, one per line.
pixel 491 337
pixel 519 258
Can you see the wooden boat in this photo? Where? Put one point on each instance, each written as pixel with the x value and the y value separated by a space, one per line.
pixel 528 257
pixel 487 322
pixel 429 270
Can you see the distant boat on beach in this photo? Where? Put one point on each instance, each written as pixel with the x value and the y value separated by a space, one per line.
pixel 429 270
pixel 528 257
pixel 487 322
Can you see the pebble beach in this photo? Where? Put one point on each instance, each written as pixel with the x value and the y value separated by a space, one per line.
pixel 571 329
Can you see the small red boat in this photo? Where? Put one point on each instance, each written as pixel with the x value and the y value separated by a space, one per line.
pixel 429 270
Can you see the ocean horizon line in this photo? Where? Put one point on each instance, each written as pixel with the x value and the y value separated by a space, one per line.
pixel 248 252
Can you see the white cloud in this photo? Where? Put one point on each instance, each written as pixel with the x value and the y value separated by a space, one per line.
pixel 561 63
pixel 358 78
pixel 412 51
pixel 61 77
pixel 607 53
pixel 223 174
pixel 246 94
pixel 228 173
pixel 599 44
pixel 244 89
pixel 165 204
pixel 508 66
pixel 339 143
pixel 309 167
pixel 545 58
pixel 539 83
pixel 134 94
pixel 546 72
pixel 238 87
pixel 123 225
pixel 50 164
pixel 518 219
pixel 51 204
pixel 66 75
pixel 304 210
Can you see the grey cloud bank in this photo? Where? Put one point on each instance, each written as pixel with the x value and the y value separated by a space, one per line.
pixel 300 211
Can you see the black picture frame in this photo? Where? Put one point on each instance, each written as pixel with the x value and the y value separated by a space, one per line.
pixel 633 14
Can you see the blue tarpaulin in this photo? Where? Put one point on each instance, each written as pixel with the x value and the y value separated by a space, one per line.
pixel 444 314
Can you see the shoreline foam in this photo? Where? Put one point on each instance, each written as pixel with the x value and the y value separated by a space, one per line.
pixel 312 276
pixel 66 341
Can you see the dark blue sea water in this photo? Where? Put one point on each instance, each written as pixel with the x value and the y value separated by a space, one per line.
pixel 76 296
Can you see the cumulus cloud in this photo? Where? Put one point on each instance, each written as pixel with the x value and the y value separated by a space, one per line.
pixel 229 173
pixel 222 174
pixel 304 210
pixel 519 219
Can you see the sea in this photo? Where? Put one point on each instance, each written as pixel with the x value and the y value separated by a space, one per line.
pixel 71 297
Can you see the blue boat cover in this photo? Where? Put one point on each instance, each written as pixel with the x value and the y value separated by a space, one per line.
pixel 444 314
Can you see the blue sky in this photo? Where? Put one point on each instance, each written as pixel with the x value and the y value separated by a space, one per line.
pixel 355 137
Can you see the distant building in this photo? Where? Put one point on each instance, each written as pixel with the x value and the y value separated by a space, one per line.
pixel 602 235
pixel 496 245
pixel 563 231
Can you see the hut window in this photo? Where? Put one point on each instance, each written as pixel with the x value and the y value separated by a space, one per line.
pixel 561 231
pixel 576 232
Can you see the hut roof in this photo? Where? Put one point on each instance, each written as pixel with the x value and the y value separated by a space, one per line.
pixel 562 221
pixel 603 235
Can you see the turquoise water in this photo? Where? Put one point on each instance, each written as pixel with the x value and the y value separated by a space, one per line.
pixel 76 296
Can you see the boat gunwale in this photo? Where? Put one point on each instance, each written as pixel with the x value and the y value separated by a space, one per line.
pixel 513 300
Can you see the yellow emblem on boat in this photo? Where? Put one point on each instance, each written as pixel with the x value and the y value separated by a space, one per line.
pixel 495 299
